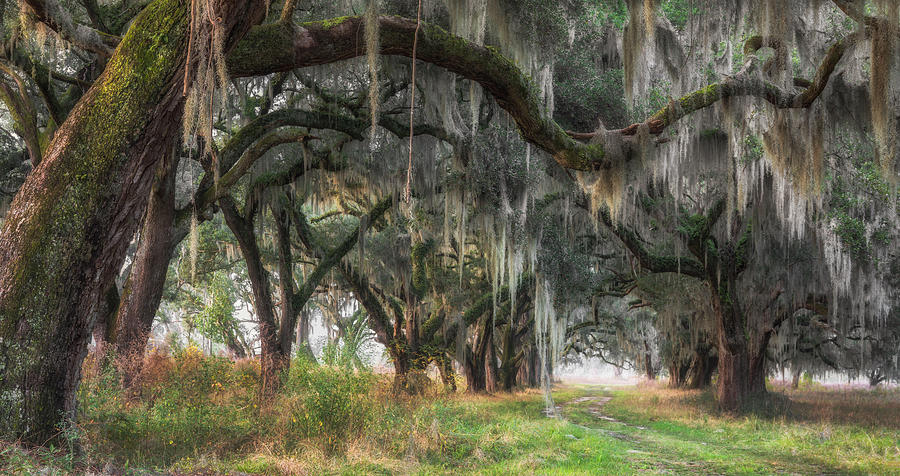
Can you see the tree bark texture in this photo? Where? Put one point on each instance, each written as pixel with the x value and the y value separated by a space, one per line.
pixel 742 369
pixel 272 361
pixel 68 228
pixel 144 287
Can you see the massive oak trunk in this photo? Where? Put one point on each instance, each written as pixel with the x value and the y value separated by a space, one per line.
pixel 68 228
pixel 742 349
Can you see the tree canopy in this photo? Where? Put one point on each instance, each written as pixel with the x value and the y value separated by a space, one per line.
pixel 489 187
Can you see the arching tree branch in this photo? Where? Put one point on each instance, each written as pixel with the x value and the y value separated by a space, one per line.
pixel 332 257
pixel 55 16
pixel 289 46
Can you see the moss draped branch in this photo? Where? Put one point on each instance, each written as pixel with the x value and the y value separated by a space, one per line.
pixel 748 83
pixel 55 16
pixel 334 256
pixel 289 47
pixel 286 47
pixel 649 261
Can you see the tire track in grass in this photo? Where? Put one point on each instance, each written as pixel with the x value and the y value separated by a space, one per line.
pixel 656 450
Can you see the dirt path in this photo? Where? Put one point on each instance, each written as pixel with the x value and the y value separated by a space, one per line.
pixel 647 449
pixel 595 408
pixel 666 450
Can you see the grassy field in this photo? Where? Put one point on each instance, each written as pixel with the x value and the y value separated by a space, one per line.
pixel 811 431
pixel 194 415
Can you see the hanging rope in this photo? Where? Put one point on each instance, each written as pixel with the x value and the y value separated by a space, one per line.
pixel 412 101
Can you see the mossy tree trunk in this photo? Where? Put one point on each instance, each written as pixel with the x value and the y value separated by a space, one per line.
pixel 68 228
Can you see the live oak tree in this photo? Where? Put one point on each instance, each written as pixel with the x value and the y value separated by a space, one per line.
pixel 66 233
pixel 69 225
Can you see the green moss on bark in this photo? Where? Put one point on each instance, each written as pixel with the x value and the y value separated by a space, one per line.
pixel 63 208
pixel 90 148
pixel 275 39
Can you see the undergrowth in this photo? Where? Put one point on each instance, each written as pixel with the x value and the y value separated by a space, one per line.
pixel 191 414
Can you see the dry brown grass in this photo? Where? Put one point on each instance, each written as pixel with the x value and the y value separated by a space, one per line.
pixel 871 408
pixel 817 405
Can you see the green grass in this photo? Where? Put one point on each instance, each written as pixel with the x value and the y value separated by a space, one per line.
pixel 682 433
pixel 510 435
pixel 196 415
pixel 451 435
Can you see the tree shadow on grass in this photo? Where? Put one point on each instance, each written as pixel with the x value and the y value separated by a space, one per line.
pixel 878 409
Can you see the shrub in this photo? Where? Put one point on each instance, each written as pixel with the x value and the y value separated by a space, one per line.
pixel 188 405
pixel 182 405
pixel 328 404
